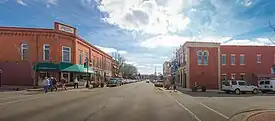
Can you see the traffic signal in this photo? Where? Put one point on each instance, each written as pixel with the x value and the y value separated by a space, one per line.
pixel 85 65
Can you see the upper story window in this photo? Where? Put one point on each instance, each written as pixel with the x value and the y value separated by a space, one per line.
pixel 223 59
pixel 242 59
pixel 80 52
pixel 46 52
pixel 86 56
pixel 259 58
pixel 66 54
pixel 233 59
pixel 24 51
pixel 205 57
pixel 199 54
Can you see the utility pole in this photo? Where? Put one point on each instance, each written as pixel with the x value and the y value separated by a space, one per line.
pixel 86 65
pixel 155 73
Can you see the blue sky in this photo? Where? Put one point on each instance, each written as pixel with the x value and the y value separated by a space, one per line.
pixel 147 32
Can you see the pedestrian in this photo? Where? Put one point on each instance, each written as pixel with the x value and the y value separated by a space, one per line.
pixel 54 83
pixel 76 82
pixel 46 84
pixel 50 84
pixel 64 82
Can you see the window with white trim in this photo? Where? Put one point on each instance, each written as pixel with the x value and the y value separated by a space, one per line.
pixel 242 59
pixel 66 54
pixel 86 56
pixel 223 59
pixel 233 76
pixel 233 59
pixel 80 57
pixel 24 51
pixel 224 76
pixel 205 57
pixel 242 76
pixel 259 58
pixel 199 54
pixel 46 52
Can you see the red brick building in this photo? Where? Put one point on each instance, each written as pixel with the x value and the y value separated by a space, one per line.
pixel 210 63
pixel 28 54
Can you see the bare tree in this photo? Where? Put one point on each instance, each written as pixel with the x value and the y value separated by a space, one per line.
pixel 273 29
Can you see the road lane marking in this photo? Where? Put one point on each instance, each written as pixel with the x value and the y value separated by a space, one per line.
pixel 219 113
pixel 184 107
pixel 214 111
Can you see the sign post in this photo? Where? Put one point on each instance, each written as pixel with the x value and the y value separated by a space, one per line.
pixel 86 65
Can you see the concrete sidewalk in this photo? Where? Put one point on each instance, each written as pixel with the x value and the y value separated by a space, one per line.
pixel 189 90
pixel 262 116
pixel 68 88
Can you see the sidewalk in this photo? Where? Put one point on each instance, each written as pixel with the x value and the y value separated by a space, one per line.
pixel 262 116
pixel 68 88
pixel 189 90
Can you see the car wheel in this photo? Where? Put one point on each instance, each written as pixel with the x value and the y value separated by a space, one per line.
pixel 263 91
pixel 237 91
pixel 255 91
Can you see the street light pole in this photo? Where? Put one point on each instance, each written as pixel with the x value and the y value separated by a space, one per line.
pixel 87 66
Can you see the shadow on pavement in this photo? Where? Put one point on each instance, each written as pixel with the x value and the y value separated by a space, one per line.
pixel 222 94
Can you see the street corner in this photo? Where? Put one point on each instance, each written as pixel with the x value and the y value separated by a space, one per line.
pixel 264 115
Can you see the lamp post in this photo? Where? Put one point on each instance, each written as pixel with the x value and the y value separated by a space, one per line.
pixel 86 65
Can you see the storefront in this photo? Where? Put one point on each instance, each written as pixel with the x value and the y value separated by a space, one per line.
pixel 45 69
pixel 62 70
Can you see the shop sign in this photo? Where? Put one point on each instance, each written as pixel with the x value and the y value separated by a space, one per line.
pixel 66 28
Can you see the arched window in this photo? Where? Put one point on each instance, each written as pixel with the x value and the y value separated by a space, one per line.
pixel 199 57
pixel 205 57
pixel 24 51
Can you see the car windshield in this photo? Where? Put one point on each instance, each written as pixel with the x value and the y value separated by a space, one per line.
pixel 135 60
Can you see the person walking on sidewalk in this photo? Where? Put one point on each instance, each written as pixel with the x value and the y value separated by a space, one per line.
pixel 54 82
pixel 64 82
pixel 46 83
pixel 76 82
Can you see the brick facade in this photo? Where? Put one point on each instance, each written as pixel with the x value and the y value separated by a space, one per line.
pixel 217 68
pixel 12 38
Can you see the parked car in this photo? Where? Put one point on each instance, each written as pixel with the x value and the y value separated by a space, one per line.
pixel 114 82
pixel 267 85
pixel 147 81
pixel 238 86
pixel 159 83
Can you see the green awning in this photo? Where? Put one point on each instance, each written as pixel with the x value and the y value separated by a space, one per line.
pixel 74 68
pixel 46 66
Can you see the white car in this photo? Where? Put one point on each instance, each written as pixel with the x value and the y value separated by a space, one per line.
pixel 267 86
pixel 238 86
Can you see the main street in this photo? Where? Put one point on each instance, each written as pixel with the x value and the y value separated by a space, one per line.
pixel 133 102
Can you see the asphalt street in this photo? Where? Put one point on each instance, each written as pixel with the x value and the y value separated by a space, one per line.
pixel 133 102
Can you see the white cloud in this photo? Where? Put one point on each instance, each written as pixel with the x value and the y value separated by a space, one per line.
pixel 53 2
pixel 111 50
pixel 21 2
pixel 255 42
pixel 148 16
pixel 164 41
pixel 50 3
pixel 176 41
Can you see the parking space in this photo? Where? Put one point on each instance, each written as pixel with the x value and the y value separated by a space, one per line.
pixel 223 105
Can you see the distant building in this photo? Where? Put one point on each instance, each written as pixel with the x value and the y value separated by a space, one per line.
pixel 209 63
pixel 166 68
